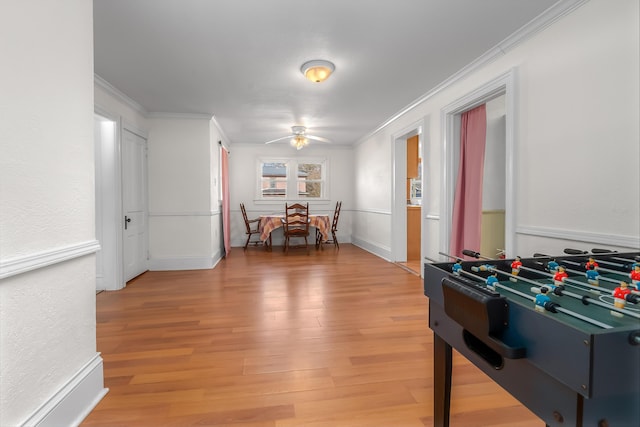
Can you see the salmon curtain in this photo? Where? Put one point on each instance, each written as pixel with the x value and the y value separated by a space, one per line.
pixel 226 210
pixel 467 204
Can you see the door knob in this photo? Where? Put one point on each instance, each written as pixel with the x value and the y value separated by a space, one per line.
pixel 126 221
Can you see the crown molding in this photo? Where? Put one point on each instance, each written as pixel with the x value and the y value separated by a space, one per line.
pixel 539 23
pixel 225 140
pixel 118 94
pixel 179 116
pixel 115 92
pixel 533 27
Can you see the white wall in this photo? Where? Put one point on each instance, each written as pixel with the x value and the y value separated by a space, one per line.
pixel 47 242
pixel 180 205
pixel 183 168
pixel 576 130
pixel 373 186
pixel 243 171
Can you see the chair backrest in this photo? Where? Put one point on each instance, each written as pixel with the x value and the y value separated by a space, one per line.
pixel 296 218
pixel 244 216
pixel 336 215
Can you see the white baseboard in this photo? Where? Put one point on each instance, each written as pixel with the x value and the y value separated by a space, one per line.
pixel 382 252
pixel 74 401
pixel 187 263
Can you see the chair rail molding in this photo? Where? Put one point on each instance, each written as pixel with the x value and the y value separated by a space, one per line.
pixel 581 236
pixel 22 264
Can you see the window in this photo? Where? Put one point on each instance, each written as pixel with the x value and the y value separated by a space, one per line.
pixel 290 179
pixel 310 180
pixel 273 180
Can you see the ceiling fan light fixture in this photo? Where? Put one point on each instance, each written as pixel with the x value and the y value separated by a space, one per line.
pixel 317 70
pixel 299 142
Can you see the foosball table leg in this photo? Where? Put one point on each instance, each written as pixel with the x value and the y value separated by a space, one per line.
pixel 442 362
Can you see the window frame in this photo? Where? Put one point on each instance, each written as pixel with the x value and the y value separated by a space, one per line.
pixel 292 178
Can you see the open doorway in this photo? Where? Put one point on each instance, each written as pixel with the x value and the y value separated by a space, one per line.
pixel 493 182
pixel 408 199
pixel 108 203
pixel 121 209
pixel 498 196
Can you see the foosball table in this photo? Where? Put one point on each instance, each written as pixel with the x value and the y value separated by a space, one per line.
pixel 561 334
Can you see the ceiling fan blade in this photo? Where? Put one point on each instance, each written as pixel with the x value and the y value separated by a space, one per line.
pixel 278 139
pixel 318 138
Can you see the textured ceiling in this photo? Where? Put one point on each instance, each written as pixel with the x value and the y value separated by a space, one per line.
pixel 239 60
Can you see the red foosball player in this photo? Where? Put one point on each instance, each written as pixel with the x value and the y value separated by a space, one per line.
pixel 515 265
pixel 620 296
pixel 635 276
pixel 560 276
pixel 591 264
pixel 515 268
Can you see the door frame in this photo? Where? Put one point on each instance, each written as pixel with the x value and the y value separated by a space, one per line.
pixel 109 200
pixel 399 189
pixel 504 84
pixel 109 191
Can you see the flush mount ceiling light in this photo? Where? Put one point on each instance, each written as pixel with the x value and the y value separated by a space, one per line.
pixel 317 70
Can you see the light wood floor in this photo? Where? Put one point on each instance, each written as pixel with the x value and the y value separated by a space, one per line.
pixel 414 266
pixel 333 339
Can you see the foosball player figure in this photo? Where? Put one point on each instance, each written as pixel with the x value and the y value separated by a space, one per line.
pixel 483 267
pixel 592 276
pixel 552 266
pixel 591 263
pixel 620 296
pixel 515 268
pixel 491 281
pixel 457 266
pixel 542 299
pixel 635 276
pixel 560 276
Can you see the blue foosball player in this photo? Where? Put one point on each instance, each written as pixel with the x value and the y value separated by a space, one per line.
pixel 483 267
pixel 552 266
pixel 457 267
pixel 542 299
pixel 491 281
pixel 592 276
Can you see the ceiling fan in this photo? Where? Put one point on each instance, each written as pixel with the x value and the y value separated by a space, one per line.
pixel 299 138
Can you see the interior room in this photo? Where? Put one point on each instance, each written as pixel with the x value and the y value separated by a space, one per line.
pixel 132 132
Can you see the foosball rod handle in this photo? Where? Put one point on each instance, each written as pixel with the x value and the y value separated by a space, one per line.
pixel 473 254
pixel 570 251
pixel 602 251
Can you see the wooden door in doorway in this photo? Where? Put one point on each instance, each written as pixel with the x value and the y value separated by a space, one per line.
pixel 134 203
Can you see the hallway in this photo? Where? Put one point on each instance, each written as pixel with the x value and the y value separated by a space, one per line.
pixel 333 339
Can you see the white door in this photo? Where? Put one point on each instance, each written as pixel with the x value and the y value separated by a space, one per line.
pixel 134 204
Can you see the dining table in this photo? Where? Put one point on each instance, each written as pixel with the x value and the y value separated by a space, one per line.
pixel 269 223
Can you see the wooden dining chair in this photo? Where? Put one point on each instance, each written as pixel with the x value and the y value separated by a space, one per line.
pixel 334 229
pixel 251 229
pixel 296 225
